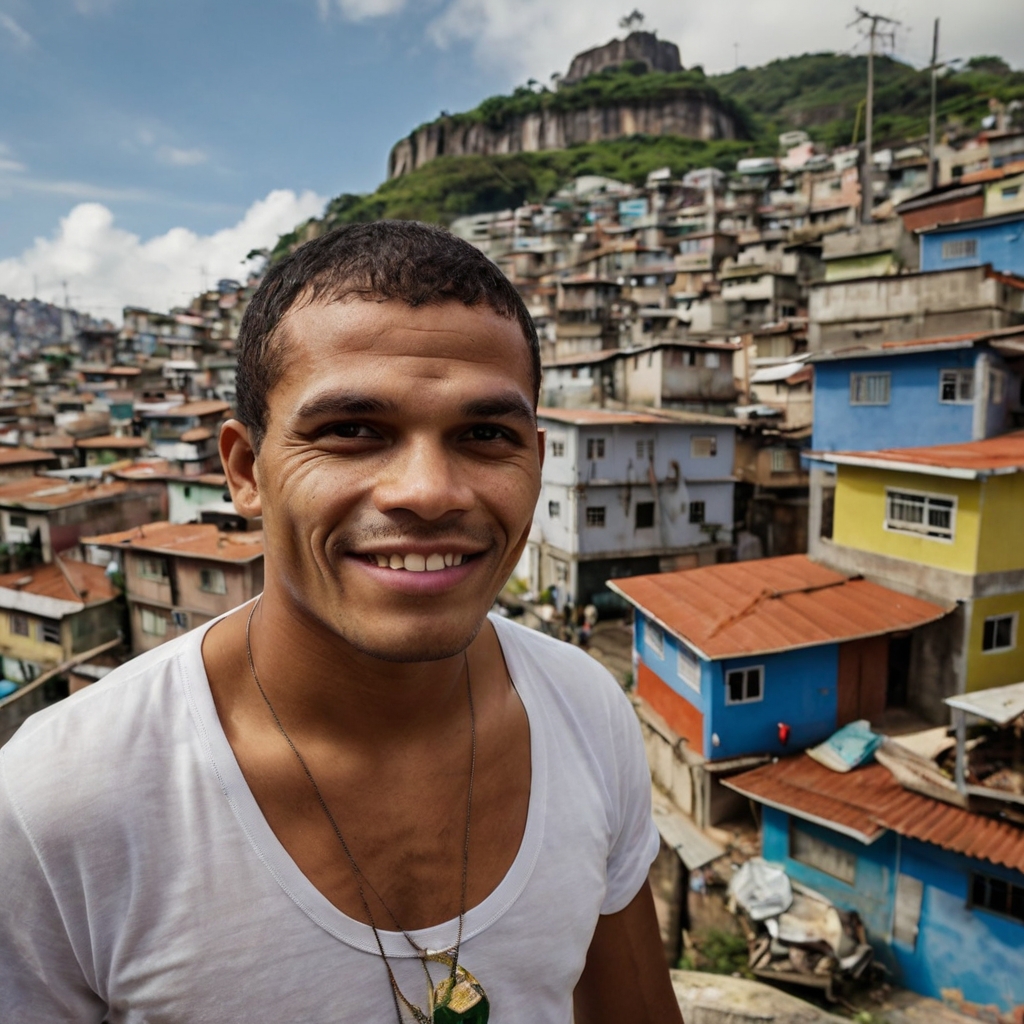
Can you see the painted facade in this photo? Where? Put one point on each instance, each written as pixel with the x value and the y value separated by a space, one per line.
pixel 957 945
pixel 998 241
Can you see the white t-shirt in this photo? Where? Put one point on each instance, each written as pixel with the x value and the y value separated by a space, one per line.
pixel 141 883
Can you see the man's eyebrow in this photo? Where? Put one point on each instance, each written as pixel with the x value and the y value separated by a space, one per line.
pixel 343 403
pixel 510 403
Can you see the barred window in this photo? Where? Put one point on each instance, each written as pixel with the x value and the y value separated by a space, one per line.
pixel 595 447
pixel 960 249
pixel 927 514
pixel 18 624
pixel 696 511
pixel 869 388
pixel 595 515
pixel 997 895
pixel 554 509
pixel 956 386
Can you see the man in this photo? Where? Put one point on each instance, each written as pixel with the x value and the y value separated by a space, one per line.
pixel 359 798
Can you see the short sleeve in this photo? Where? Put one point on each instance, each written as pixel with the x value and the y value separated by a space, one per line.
pixel 636 842
pixel 41 981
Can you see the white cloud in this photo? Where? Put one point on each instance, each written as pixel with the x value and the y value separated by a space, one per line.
pixel 536 37
pixel 9 165
pixel 106 267
pixel 20 36
pixel 181 157
pixel 361 10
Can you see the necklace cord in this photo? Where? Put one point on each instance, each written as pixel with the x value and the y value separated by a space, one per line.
pixel 360 878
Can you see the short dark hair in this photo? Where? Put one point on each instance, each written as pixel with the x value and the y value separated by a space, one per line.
pixel 418 263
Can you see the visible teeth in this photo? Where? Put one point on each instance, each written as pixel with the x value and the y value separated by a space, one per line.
pixel 456 559
pixel 448 559
pixel 415 563
pixel 397 562
pixel 382 561
pixel 435 562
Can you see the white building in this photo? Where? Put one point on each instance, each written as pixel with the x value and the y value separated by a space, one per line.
pixel 625 493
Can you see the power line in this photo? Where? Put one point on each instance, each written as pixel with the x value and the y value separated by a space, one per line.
pixel 873 33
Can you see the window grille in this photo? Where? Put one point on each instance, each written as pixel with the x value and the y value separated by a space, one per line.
pixel 595 515
pixel 926 514
pixel 595 447
pixel 696 511
pixel 960 249
pixel 869 388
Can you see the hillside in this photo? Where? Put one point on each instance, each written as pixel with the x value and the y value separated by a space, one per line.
pixel 818 93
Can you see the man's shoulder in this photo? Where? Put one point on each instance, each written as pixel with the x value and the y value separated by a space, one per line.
pixel 97 728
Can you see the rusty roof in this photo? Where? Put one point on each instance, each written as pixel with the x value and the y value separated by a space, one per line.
pixel 111 441
pixel 994 456
pixel 196 540
pixel 866 802
pixel 209 407
pixel 46 492
pixel 64 579
pixel 601 417
pixel 10 456
pixel 770 605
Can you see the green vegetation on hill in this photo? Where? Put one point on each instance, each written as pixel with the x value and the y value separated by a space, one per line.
pixel 818 93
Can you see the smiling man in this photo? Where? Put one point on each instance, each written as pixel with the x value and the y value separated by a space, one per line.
pixel 358 798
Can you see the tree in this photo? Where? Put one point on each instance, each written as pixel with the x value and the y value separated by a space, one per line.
pixel 632 22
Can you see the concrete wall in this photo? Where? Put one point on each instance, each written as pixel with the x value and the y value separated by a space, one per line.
pixel 914 415
pixel 957 946
pixel 1002 245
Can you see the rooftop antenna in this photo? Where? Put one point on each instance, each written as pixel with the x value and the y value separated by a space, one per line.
pixel 873 33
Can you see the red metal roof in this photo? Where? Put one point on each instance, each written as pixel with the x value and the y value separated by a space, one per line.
pixel 1004 454
pixel 66 579
pixel 771 604
pixel 196 540
pixel 867 801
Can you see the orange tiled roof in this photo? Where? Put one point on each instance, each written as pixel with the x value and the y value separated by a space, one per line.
pixel 770 605
pixel 10 456
pixel 79 581
pixel 52 492
pixel 198 540
pixel 867 801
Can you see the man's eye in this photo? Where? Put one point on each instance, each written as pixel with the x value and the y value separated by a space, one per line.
pixel 487 433
pixel 351 430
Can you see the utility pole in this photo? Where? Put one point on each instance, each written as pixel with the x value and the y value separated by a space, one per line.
pixel 867 191
pixel 931 115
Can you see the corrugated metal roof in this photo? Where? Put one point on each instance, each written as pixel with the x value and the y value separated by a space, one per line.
pixel 599 417
pixel 971 459
pixel 999 704
pixel 867 801
pixel 196 540
pixel 771 604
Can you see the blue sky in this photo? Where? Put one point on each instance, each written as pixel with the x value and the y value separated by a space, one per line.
pixel 146 145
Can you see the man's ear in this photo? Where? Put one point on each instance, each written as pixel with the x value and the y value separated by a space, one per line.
pixel 239 460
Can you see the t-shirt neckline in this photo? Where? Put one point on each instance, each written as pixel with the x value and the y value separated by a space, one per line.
pixel 286 872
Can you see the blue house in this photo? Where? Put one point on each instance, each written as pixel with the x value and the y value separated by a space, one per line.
pixel 904 394
pixel 940 889
pixel 767 656
pixel 998 241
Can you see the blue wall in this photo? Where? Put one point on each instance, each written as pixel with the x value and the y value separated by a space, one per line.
pixel 1002 245
pixel 957 946
pixel 914 415
pixel 799 688
pixel 666 666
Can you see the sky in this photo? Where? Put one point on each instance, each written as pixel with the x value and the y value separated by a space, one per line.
pixel 146 146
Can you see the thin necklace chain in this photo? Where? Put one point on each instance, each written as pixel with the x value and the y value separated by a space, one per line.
pixel 361 879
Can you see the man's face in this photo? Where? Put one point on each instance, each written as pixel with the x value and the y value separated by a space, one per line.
pixel 399 471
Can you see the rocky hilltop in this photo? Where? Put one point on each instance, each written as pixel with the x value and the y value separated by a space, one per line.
pixel 651 95
pixel 657 54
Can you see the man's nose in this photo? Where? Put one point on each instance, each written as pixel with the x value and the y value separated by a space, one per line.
pixel 423 477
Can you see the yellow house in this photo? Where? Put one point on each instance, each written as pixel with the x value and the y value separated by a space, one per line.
pixel 1005 195
pixel 51 612
pixel 948 522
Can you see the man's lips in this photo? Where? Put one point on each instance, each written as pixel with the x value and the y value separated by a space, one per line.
pixel 422 571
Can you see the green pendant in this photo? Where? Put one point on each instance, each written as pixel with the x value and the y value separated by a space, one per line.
pixel 459 1000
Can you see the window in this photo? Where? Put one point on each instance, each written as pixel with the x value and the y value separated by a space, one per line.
pixel 781 461
pixel 18 624
pixel 644 515
pixel 595 515
pixel 712 360
pixel 49 631
pixel 645 449
pixel 744 685
pixel 956 386
pixel 153 623
pixel 997 895
pixel 688 666
pixel 703 446
pixel 1011 192
pixel 999 633
pixel 696 511
pixel 554 509
pixel 557 448
pixel 212 581
pixel 869 388
pixel 153 569
pixel 817 853
pixel 998 386
pixel 595 447
pixel 20 522
pixel 960 249
pixel 926 514
pixel 654 637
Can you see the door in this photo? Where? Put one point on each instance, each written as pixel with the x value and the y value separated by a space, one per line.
pixel 863 680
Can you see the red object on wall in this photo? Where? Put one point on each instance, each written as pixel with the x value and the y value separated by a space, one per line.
pixel 783 733
pixel 679 714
